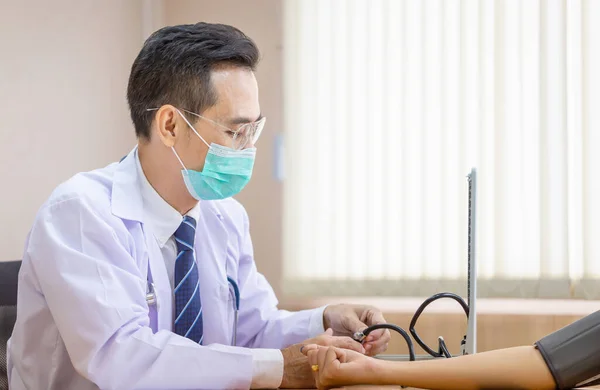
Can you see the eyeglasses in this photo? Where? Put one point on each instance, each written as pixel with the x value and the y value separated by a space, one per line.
pixel 246 134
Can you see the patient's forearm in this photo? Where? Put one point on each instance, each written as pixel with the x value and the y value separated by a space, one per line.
pixel 519 367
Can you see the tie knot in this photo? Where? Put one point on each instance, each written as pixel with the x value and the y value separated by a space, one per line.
pixel 185 234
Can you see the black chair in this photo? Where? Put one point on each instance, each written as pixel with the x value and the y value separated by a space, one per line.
pixel 9 273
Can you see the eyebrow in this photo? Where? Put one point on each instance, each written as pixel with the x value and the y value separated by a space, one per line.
pixel 242 120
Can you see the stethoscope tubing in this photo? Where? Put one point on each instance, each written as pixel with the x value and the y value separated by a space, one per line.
pixel 443 349
pixel 236 308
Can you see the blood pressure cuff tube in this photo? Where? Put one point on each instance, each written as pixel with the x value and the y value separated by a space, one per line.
pixel 573 352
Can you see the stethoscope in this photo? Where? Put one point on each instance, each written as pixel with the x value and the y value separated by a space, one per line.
pixel 234 290
pixel 442 351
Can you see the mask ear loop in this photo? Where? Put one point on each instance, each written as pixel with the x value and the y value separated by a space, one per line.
pixel 188 123
pixel 192 127
pixel 176 155
pixel 194 130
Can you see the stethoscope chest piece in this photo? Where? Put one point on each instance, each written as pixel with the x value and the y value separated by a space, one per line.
pixel 151 295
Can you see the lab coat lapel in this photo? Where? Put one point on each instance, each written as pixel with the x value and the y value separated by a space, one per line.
pixel 211 253
pixel 211 242
pixel 160 279
pixel 126 198
pixel 127 203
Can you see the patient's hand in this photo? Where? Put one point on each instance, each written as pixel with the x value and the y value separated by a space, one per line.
pixel 296 370
pixel 338 367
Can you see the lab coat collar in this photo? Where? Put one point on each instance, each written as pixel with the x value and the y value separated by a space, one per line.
pixel 162 218
pixel 127 200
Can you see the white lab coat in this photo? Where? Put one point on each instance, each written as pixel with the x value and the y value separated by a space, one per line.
pixel 83 321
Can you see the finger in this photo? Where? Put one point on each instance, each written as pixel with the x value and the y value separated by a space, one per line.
pixel 319 361
pixel 329 332
pixel 375 318
pixel 307 348
pixel 378 345
pixel 313 359
pixel 381 349
pixel 341 354
pixel 347 343
pixel 375 349
pixel 353 324
pixel 376 335
pixel 321 355
pixel 313 356
pixel 329 365
pixel 380 338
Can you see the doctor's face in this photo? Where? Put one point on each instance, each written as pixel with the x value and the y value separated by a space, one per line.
pixel 237 106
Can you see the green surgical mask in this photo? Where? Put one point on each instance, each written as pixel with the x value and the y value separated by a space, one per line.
pixel 226 171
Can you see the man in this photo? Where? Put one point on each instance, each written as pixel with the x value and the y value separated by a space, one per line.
pixel 131 273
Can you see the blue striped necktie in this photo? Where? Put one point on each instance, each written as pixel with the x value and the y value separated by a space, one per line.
pixel 188 308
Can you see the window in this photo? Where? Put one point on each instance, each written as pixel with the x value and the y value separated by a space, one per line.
pixel 388 105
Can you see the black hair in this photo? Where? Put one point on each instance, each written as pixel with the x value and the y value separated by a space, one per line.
pixel 174 67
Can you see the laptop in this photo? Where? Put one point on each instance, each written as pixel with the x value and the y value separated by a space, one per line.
pixel 469 344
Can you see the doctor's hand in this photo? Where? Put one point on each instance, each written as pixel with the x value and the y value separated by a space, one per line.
pixel 345 320
pixel 335 367
pixel 296 370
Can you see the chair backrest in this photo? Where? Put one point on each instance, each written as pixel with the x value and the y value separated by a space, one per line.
pixel 9 274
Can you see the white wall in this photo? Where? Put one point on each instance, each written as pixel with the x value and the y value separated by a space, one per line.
pixel 64 67
pixel 63 76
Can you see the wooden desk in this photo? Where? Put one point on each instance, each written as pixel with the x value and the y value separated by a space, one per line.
pixel 369 387
pixel 375 387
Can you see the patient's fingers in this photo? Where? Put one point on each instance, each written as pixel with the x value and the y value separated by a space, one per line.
pixel 307 348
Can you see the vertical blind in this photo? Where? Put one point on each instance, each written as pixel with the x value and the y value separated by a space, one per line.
pixel 388 106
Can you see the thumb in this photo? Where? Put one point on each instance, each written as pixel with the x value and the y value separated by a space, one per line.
pixel 329 332
pixel 353 324
pixel 377 318
pixel 341 354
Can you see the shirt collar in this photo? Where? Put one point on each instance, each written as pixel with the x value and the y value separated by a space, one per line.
pixel 162 218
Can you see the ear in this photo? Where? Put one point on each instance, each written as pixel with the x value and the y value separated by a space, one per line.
pixel 168 125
